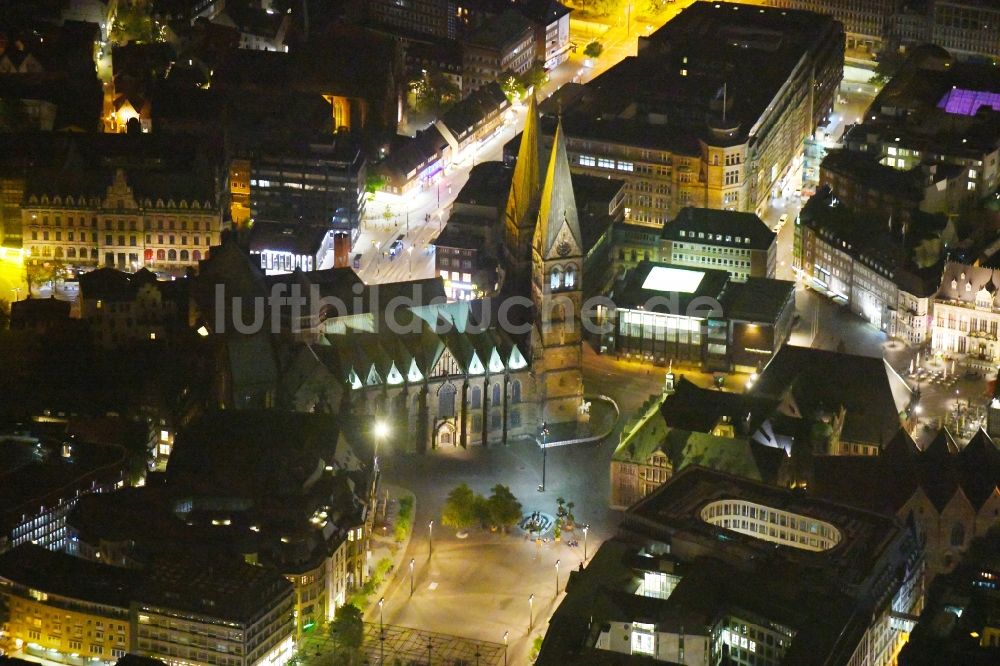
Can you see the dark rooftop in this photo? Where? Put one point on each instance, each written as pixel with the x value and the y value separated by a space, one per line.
pixel 59 573
pixel 757 300
pixel 501 32
pixel 283 237
pixel 651 285
pixel 737 229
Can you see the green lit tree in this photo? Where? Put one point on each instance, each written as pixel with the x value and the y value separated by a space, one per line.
pixel 459 510
pixel 133 21
pixel 512 86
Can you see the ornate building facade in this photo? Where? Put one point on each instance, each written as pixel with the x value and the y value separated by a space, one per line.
pixel 123 219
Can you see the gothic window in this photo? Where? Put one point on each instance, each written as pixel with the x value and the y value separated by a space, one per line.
pixel 515 391
pixel 515 419
pixel 476 400
pixel 570 277
pixel 958 534
pixel 555 279
pixel 446 401
pixel 495 400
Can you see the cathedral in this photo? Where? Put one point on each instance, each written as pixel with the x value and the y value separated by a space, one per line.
pixel 453 374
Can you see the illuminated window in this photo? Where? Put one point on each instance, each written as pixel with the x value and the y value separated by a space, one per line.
pixel 587 160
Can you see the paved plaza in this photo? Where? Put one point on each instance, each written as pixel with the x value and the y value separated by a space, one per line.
pixel 404 646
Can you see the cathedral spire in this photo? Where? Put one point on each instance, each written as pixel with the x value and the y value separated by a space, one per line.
pixel 525 185
pixel 557 232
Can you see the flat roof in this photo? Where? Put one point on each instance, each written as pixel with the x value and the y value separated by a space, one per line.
pixel 669 288
pixel 668 278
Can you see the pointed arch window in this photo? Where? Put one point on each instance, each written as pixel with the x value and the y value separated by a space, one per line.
pixel 496 395
pixel 515 391
pixel 476 400
pixel 555 279
pixel 446 401
pixel 570 280
pixel 958 535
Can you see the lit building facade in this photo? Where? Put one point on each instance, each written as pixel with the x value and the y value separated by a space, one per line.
pixel 967 314
pixel 740 150
pixel 122 219
pixel 866 22
pixel 38 498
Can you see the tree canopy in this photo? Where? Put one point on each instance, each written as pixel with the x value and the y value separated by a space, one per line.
pixel 504 509
pixel 459 510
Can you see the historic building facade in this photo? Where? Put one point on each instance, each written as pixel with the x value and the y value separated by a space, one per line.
pixel 123 219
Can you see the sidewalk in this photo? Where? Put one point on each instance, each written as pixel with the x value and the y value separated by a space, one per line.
pixel 385 546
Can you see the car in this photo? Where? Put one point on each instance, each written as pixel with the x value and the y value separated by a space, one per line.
pixel 781 222
pixel 396 248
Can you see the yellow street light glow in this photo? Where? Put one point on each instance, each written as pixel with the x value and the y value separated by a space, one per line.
pixel 381 429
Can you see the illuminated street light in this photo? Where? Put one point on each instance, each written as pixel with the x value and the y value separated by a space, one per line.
pixel 545 436
pixel 430 539
pixel 505 635
pixel 557 577
pixel 381 432
pixel 381 632
pixel 531 612
pixel 586 528
pixel 411 576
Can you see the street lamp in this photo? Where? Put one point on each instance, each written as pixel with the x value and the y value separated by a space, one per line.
pixel 381 432
pixel 557 578
pixel 411 577
pixel 381 632
pixel 586 528
pixel 430 539
pixel 505 635
pixel 545 435
pixel 531 612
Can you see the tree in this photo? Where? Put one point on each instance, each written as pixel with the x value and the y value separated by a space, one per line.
pixel 433 92
pixel 373 183
pixel 133 21
pixel 504 509
pixel 348 630
pixel 39 272
pixel 535 76
pixel 512 86
pixel 593 49
pixel 888 65
pixel 459 510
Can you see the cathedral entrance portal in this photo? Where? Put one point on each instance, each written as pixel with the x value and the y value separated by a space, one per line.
pixel 446 434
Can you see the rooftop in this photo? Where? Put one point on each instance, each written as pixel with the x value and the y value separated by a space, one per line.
pixel 729 228
pixel 761 300
pixel 502 32
pixel 653 286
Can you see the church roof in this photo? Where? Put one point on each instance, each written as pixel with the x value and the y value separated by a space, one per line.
pixel 524 188
pixel 557 217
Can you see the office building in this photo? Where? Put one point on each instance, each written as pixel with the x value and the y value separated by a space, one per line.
pixel 665 312
pixel 284 248
pixel 503 45
pixel 866 22
pixel 739 243
pixel 221 473
pixel 711 568
pixel 712 112
pixel 936 110
pixel 179 610
pixel 887 271
pixel 43 473
pixel 968 29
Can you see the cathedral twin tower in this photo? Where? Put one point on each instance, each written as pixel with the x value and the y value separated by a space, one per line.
pixel 543 254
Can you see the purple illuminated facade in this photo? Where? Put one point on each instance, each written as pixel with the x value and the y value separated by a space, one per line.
pixel 967 102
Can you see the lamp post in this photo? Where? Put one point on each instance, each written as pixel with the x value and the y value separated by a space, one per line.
pixel 557 578
pixel 586 528
pixel 545 435
pixel 411 576
pixel 381 633
pixel 381 431
pixel 430 539
pixel 505 635
pixel 409 251
pixel 531 612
